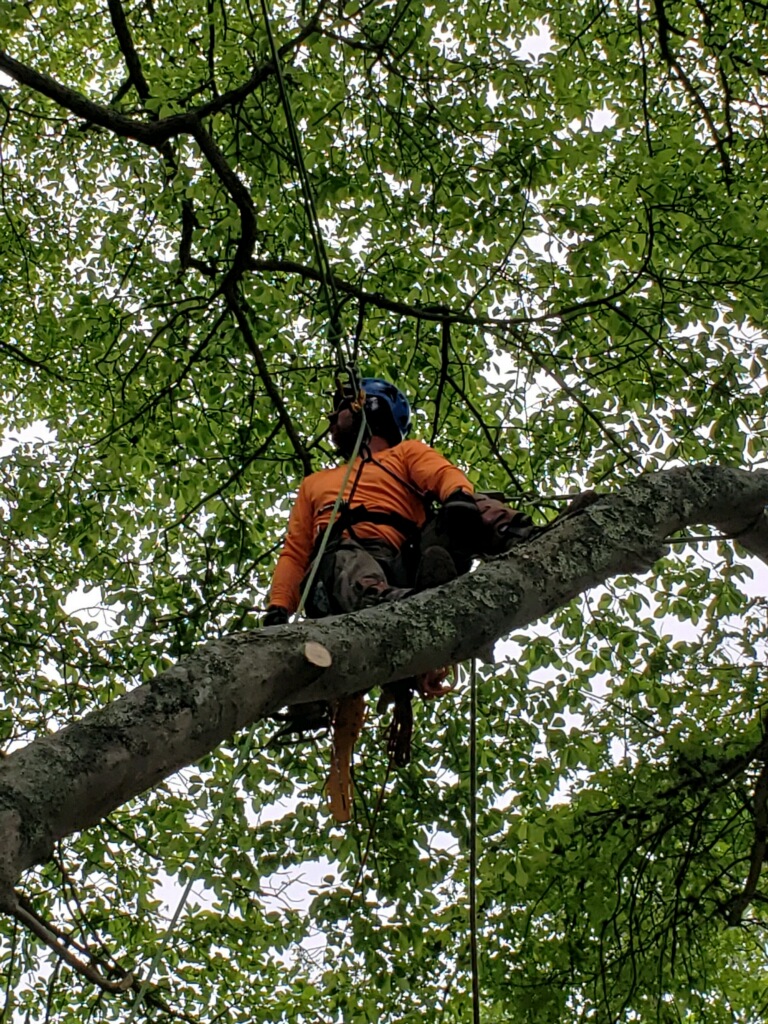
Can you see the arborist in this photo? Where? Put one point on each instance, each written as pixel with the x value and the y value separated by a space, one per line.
pixel 373 552
pixel 384 544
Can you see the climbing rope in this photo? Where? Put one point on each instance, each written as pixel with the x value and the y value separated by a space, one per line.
pixel 334 514
pixel 474 961
pixel 345 365
pixel 327 284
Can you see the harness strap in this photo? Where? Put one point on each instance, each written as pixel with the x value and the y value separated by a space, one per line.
pixel 348 518
pixel 367 456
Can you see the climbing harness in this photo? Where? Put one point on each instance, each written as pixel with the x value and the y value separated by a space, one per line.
pixel 348 515
pixel 348 715
pixel 334 513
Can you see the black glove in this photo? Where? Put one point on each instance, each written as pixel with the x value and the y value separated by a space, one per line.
pixel 460 518
pixel 275 615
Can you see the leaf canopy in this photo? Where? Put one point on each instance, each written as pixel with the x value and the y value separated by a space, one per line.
pixel 547 225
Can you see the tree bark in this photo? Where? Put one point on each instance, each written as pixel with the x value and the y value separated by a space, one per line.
pixel 65 782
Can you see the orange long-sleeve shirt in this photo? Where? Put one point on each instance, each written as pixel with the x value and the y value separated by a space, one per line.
pixel 381 489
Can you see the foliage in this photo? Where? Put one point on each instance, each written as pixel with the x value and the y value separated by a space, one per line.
pixel 547 224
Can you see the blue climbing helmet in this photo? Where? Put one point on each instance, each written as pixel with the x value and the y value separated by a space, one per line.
pixel 378 390
pixel 386 407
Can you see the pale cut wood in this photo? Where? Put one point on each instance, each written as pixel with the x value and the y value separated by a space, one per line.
pixel 318 655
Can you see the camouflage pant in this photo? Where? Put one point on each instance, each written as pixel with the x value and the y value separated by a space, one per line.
pixel 355 575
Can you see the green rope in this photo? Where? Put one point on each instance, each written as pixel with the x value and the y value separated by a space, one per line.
pixel 335 336
pixel 335 332
pixel 334 514
pixel 194 877
pixel 473 842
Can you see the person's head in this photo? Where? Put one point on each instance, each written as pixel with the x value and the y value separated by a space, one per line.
pixel 387 414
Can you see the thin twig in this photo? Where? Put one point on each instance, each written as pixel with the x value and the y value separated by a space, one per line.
pixel 237 308
pixel 445 355
pixel 46 933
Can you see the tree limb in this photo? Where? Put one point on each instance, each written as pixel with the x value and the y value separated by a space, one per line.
pixel 160 131
pixel 25 915
pixel 751 534
pixel 239 194
pixel 438 313
pixel 665 28
pixel 67 781
pixel 155 134
pixel 125 41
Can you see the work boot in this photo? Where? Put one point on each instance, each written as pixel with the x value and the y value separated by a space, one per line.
pixel 305 720
pixel 436 567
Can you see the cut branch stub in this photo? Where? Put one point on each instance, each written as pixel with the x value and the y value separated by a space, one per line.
pixel 317 655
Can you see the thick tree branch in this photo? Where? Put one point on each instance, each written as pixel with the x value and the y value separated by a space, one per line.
pixel 749 532
pixel 158 132
pixel 438 313
pixel 67 781
pixel 240 196
pixel 665 28
pixel 155 134
pixel 125 41
pixel 52 938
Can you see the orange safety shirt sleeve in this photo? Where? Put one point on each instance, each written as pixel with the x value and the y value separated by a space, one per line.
pixel 293 563
pixel 431 471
